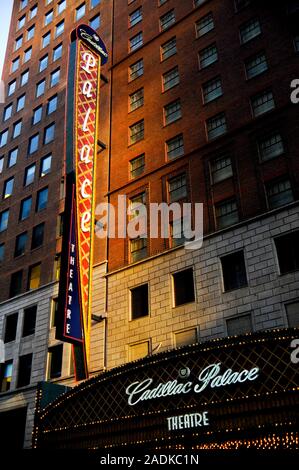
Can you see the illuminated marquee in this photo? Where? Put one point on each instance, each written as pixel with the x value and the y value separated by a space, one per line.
pixel 87 53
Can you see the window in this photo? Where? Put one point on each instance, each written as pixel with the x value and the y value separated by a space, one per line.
pixel 177 188
pixel 135 17
pixel 208 56
pixel 161 2
pixel 24 78
pixel 55 77
pixel 20 245
pixel 167 20
pixel 135 42
pixel 292 311
pixel 60 224
pixel 54 312
pixel 7 113
pixel 52 104
pixel 33 12
pixel 221 169
pixel 240 325
pixel 40 88
pixel 256 65
pixel 45 166
pixel 49 133
pixel 48 18
pixel 15 64
pixel 30 32
pixel 234 271
pixel 80 11
pixel 137 132
pixel 138 249
pixel 3 137
pixel 37 236
pixel 177 232
pixel 240 4
pixel 94 3
pixel 57 52
pixel 271 146
pixel 29 321
pixel 8 188
pixel 250 30
pixel 11 324
pixel 136 70
pixel 279 193
pixel 55 361
pixel 42 199
pixel 29 174
pixel 136 99
pixel 216 126
pixel 199 2
pixel 287 248
pixel 204 25
pixel 2 251
pixel 172 112
pixel 34 277
pixel 61 6
pixel 137 166
pixel 59 29
pixel 95 22
pixel 175 147
pixel 171 78
pixel 23 4
pixel 24 375
pixel 27 54
pixel 183 287
pixel 11 88
pixel 25 208
pixel 21 102
pixel 226 213
pixel 17 129
pixel 18 43
pixel 57 267
pixel 21 22
pixel 183 338
pixel 212 90
pixel 168 49
pixel 139 302
pixel 1 164
pixel 37 115
pixel 43 63
pixel 262 103
pixel 16 284
pixel 46 39
pixel 6 376
pixel 33 144
pixel 139 350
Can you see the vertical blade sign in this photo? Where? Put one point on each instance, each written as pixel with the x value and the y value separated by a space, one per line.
pixel 74 306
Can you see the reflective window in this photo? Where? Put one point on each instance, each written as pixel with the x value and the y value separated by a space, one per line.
pixel 25 208
pixel 29 174
pixel 45 166
pixel 42 199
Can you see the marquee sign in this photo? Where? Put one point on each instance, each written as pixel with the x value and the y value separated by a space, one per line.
pixel 87 53
pixel 197 395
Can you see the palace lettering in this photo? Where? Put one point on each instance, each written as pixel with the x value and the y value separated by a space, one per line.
pixel 211 377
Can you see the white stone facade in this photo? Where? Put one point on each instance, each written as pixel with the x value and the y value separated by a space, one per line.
pixel 264 297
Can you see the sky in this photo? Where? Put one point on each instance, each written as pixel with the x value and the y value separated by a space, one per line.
pixel 5 15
